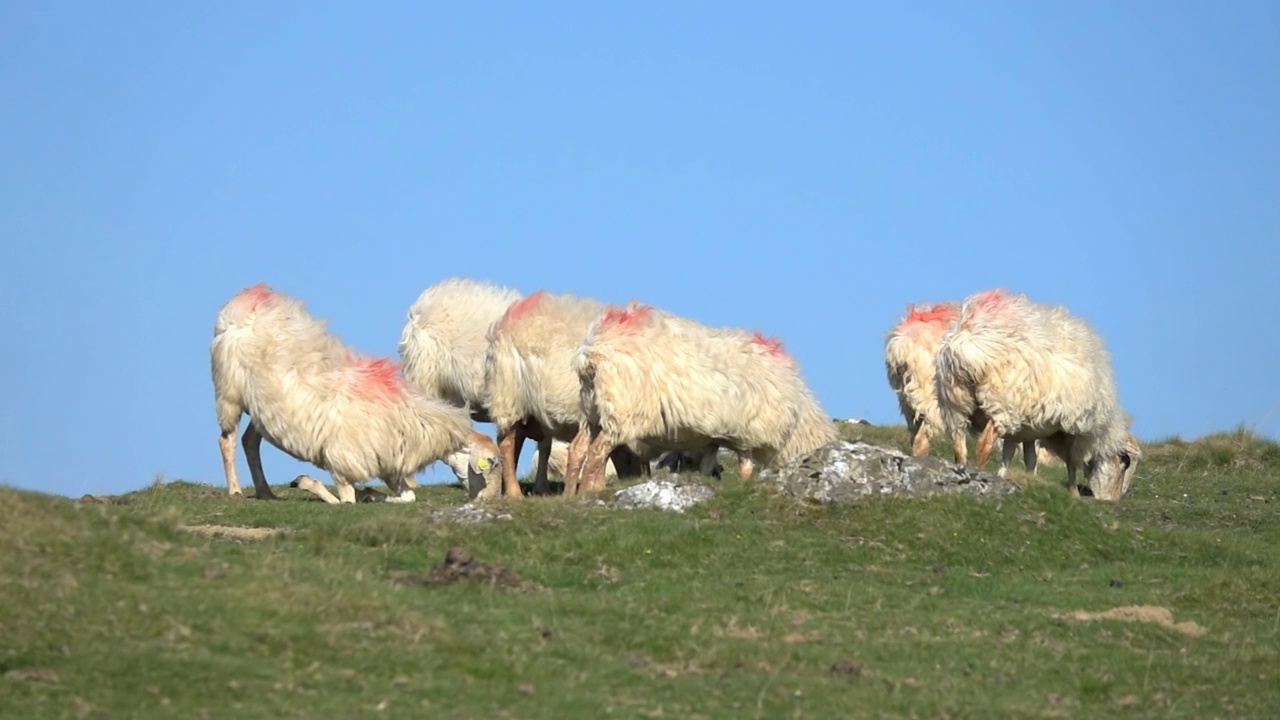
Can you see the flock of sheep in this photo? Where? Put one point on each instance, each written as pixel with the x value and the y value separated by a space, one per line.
pixel 606 390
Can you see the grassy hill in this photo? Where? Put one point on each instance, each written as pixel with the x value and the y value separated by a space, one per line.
pixel 751 605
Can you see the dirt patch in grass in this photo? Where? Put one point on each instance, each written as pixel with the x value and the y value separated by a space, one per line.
pixel 235 533
pixel 459 564
pixel 1161 616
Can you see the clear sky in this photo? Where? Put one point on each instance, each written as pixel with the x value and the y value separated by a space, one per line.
pixel 806 169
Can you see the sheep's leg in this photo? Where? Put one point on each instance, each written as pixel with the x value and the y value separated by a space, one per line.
pixel 1069 450
pixel 624 462
pixel 920 444
pixel 746 465
pixel 960 439
pixel 315 487
pixel 576 461
pixel 252 440
pixel 597 456
pixel 400 491
pixel 1006 456
pixel 708 463
pixel 227 444
pixel 346 489
pixel 509 441
pixel 985 442
pixel 1029 457
pixel 540 484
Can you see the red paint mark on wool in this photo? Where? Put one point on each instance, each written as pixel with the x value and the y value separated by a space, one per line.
pixel 625 318
pixel 376 376
pixel 939 314
pixel 772 345
pixel 991 302
pixel 251 297
pixel 521 307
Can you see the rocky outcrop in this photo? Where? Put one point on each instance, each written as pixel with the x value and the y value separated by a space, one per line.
pixel 845 471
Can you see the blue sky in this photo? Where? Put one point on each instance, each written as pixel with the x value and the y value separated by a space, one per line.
pixel 802 168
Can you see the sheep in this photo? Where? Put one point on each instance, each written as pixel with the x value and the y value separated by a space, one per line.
pixel 443 344
pixel 1024 371
pixel 445 338
pixel 910 352
pixel 651 376
pixel 320 402
pixel 530 387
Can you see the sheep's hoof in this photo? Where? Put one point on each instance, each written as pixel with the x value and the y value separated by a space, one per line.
pixel 405 497
pixel 236 496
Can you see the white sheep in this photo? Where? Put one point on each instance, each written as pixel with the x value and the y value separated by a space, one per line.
pixel 446 336
pixel 650 376
pixel 531 389
pixel 312 397
pixel 910 353
pixel 1025 371
pixel 443 345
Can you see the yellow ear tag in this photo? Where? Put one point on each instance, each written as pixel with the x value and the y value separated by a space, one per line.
pixel 483 464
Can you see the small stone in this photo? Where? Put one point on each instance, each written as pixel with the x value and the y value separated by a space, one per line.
pixel 851 668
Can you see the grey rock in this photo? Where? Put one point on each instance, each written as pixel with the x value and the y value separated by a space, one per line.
pixel 847 471
pixel 466 514
pixel 674 495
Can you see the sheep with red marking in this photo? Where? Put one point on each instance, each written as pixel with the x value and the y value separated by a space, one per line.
pixel 443 344
pixel 317 400
pixel 1025 371
pixel 910 354
pixel 651 376
pixel 530 387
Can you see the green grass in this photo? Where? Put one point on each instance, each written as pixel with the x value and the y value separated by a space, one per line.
pixel 951 607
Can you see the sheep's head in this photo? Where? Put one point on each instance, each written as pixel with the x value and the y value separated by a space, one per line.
pixel 484 467
pixel 1110 476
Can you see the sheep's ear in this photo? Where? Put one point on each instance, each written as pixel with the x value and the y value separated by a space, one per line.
pixel 483 464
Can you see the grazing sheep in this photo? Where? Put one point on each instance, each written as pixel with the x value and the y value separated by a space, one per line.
pixel 1025 371
pixel 531 389
pixel 446 336
pixel 910 354
pixel 320 402
pixel 650 376
pixel 444 342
